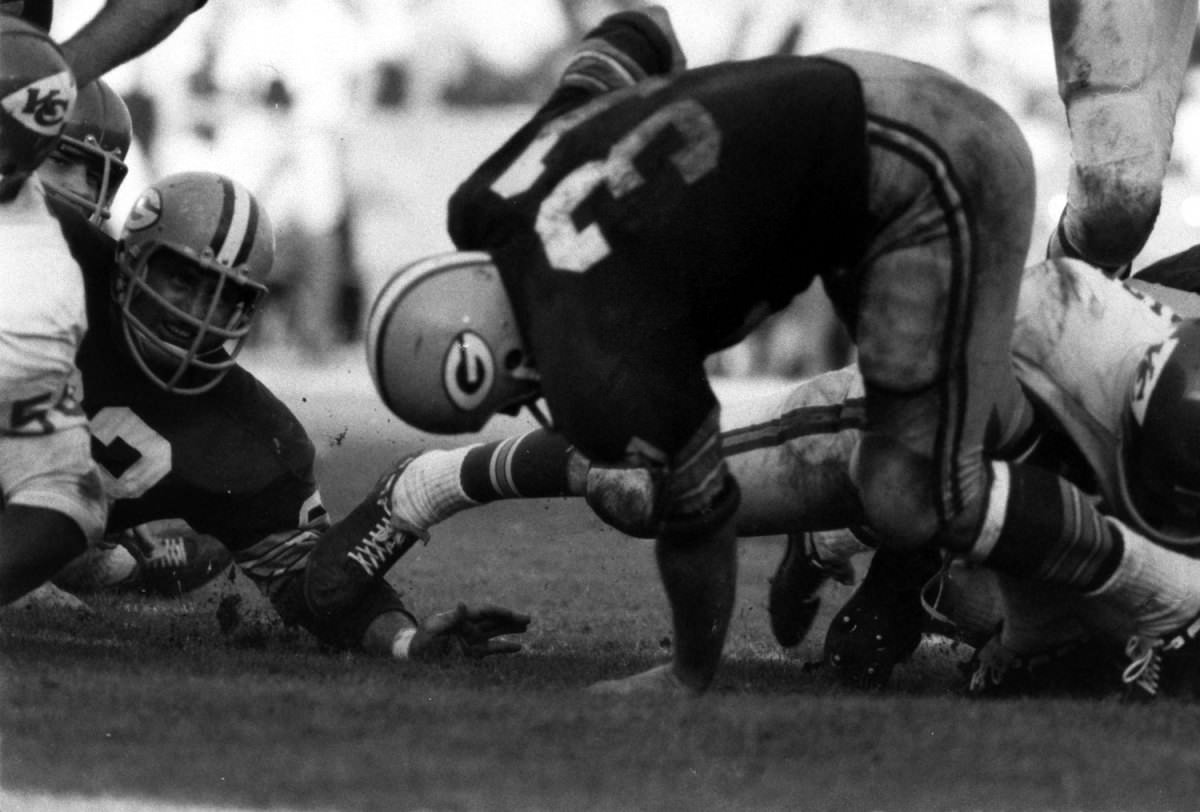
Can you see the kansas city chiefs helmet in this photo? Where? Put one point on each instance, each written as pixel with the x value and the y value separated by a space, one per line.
pixel 216 225
pixel 1159 461
pixel 443 346
pixel 97 133
pixel 37 91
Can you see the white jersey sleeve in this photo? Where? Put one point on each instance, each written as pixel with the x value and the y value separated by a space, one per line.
pixel 1077 342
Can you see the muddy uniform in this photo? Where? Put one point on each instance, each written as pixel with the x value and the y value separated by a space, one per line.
pixel 233 462
pixel 641 222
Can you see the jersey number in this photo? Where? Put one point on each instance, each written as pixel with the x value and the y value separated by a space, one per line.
pixel 574 249
pixel 132 456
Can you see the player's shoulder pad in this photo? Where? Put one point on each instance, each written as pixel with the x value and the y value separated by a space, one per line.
pixel 94 249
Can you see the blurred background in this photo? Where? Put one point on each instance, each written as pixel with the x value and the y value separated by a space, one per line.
pixel 354 120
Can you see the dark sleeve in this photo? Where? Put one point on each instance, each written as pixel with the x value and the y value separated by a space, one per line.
pixel 623 49
pixel 1180 271
pixel 38 12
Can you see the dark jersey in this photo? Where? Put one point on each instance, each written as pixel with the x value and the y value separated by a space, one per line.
pixel 233 462
pixel 640 229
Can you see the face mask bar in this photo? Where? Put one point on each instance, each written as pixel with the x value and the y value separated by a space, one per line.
pixel 112 171
pixel 192 369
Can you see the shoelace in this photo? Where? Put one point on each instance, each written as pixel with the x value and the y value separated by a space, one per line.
pixel 169 551
pixel 1145 663
pixel 1145 654
pixel 386 543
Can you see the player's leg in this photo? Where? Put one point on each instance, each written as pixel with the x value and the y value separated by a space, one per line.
pixel 934 391
pixel 54 505
pixel 1120 70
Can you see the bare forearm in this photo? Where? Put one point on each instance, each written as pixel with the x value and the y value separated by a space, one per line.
pixel 121 31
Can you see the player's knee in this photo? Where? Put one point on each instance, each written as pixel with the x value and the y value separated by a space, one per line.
pixel 895 486
pixel 1114 217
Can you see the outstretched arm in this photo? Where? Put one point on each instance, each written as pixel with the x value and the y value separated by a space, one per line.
pixel 121 31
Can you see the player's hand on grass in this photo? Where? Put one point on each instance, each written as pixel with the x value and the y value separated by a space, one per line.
pixel 467 631
pixel 660 680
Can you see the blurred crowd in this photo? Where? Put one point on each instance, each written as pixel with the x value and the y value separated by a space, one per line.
pixel 352 120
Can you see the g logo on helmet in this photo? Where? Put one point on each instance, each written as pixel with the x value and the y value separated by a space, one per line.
pixel 469 371
pixel 145 212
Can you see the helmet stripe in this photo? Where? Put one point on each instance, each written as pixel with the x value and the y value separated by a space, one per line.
pixel 232 239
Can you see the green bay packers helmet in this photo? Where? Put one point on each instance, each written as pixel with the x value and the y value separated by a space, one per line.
pixel 97 134
pixel 216 225
pixel 444 348
pixel 37 91
pixel 1159 461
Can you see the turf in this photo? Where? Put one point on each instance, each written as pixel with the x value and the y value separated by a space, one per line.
pixel 157 703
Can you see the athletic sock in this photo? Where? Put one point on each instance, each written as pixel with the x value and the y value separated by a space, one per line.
pixel 1159 587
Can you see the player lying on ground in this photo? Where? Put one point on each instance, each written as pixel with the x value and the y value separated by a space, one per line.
pixel 1083 348
pixel 86 169
pixel 181 431
pixel 639 223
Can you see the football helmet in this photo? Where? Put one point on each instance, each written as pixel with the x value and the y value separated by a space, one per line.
pixel 37 92
pixel 443 346
pixel 1158 465
pixel 97 135
pixel 217 226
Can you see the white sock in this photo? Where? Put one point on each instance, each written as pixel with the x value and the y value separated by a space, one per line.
pixel 430 490
pixel 1158 587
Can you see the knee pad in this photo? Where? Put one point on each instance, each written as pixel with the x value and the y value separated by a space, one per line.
pixel 1109 216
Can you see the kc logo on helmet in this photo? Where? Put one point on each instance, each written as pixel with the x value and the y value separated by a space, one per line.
pixel 43 106
pixel 469 371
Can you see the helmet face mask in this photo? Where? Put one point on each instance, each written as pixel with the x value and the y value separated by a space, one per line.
pixel 193 260
pixel 87 167
pixel 443 346
pixel 1158 464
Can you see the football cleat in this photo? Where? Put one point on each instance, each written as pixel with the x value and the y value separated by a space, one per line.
pixel 793 600
pixel 345 565
pixel 173 558
pixel 880 626
pixel 1163 666
pixel 1083 667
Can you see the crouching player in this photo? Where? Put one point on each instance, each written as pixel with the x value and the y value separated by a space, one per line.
pixel 181 431
pixel 1111 409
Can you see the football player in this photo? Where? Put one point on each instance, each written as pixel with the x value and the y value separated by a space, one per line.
pixel 648 216
pixel 52 500
pixel 86 169
pixel 1098 424
pixel 1120 73
pixel 181 431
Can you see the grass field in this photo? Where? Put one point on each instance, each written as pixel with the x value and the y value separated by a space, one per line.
pixel 148 704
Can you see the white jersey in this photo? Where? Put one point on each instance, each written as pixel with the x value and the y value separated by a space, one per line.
pixel 42 312
pixel 45 450
pixel 1078 342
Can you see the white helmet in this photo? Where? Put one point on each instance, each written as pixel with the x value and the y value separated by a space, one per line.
pixel 443 345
